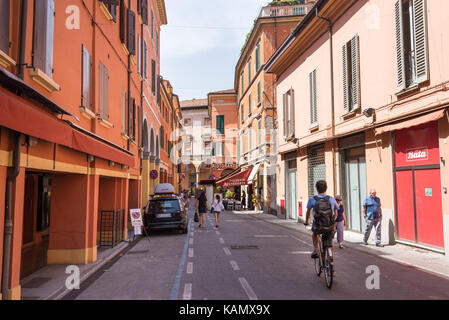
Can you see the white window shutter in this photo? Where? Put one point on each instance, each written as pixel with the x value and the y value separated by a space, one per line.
pixel 313 98
pixel 355 60
pixel 400 46
pixel 345 80
pixel 420 32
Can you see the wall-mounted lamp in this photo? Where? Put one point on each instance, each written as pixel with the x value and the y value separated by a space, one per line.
pixel 369 112
pixel 111 163
pixel 90 158
pixel 32 141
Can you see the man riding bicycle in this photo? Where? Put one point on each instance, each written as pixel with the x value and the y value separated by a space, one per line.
pixel 325 210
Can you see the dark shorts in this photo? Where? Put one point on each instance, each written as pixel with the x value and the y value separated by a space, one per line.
pixel 217 212
pixel 327 236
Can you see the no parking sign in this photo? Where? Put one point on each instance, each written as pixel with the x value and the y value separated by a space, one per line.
pixel 136 220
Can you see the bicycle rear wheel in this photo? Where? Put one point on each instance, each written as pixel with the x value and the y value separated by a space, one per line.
pixel 328 269
pixel 317 267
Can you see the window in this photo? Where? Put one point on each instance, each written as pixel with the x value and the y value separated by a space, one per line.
pixel 250 108
pixel 43 36
pixel 289 114
pixel 241 82
pixel 139 56
pixel 103 101
pixel 152 24
pixel 162 137
pixel 4 29
pixel 218 149
pixel 153 76
pixel 411 43
pixel 207 121
pixel 131 32
pixel 124 114
pixel 112 8
pixel 351 82
pixel 86 84
pixel 208 148
pixel 249 71
pixel 238 150
pixel 258 57
pixel 220 124
pixel 250 143
pixel 188 122
pixel 144 11
pixel 259 93
pixel 313 99
pixel 157 44
pixel 259 132
pixel 122 22
pixel 242 113
pixel 145 58
pixel 132 119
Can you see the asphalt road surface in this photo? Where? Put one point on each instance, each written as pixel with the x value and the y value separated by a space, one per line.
pixel 249 259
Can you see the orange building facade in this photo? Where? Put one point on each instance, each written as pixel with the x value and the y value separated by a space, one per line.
pixel 79 103
pixel 257 103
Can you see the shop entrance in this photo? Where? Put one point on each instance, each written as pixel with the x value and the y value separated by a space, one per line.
pixel 355 187
pixel 290 189
pixel 36 222
pixel 419 212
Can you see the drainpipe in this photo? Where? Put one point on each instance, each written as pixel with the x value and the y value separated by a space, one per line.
pixel 331 49
pixel 23 27
pixel 8 229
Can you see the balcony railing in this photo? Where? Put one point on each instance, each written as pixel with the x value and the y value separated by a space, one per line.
pixel 284 11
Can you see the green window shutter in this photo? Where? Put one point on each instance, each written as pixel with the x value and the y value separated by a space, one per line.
pixel 220 124
pixel 285 114
pixel 313 98
pixel 249 72
pixel 400 58
pixel 420 32
pixel 291 114
pixel 345 79
pixel 355 60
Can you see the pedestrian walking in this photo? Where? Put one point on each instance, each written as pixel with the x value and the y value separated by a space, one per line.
pixel 341 220
pixel 243 200
pixel 372 212
pixel 202 208
pixel 217 208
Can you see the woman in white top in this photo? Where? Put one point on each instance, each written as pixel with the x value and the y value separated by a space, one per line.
pixel 217 208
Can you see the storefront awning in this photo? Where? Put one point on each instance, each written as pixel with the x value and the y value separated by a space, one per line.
pixel 22 116
pixel 254 172
pixel 235 180
pixel 433 116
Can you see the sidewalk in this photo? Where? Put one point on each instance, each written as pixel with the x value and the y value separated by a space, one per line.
pixel 48 283
pixel 407 255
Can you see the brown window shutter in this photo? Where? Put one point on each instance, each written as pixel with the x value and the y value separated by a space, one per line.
pixel 130 117
pixel 145 12
pixel 100 90
pixel 106 94
pixel 4 29
pixel 122 22
pixel 40 9
pixel 131 32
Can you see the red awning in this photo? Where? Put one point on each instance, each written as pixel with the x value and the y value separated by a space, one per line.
pixel 235 180
pixel 433 116
pixel 20 115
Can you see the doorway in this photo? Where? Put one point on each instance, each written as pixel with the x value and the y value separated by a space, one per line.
pixel 290 189
pixel 354 173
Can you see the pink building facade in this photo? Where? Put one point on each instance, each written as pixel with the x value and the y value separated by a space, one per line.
pixel 362 91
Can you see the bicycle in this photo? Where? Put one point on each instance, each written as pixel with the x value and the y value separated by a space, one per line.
pixel 325 262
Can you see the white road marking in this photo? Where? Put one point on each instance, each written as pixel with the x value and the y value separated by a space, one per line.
pixel 249 291
pixel 190 267
pixel 301 252
pixel 221 240
pixel 269 236
pixel 191 241
pixel 190 252
pixel 234 265
pixel 187 292
pixel 218 233
pixel 227 251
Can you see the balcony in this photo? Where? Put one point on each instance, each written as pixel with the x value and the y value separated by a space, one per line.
pixel 285 10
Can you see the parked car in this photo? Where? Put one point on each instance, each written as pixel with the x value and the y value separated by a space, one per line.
pixel 165 210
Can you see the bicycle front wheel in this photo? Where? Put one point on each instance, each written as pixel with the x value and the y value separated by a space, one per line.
pixel 328 269
pixel 317 266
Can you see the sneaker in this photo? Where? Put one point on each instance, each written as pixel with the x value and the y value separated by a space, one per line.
pixel 365 242
pixel 314 254
pixel 379 245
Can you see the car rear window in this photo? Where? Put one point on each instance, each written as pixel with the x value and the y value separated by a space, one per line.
pixel 167 205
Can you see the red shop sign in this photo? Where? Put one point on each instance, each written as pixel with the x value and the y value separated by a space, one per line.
pixel 420 154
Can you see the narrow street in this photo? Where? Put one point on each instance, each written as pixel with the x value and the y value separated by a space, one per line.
pixel 248 259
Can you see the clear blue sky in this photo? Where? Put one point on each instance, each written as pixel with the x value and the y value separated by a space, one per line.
pixel 201 44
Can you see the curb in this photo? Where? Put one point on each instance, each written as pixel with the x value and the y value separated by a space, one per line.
pixel 365 250
pixel 63 291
